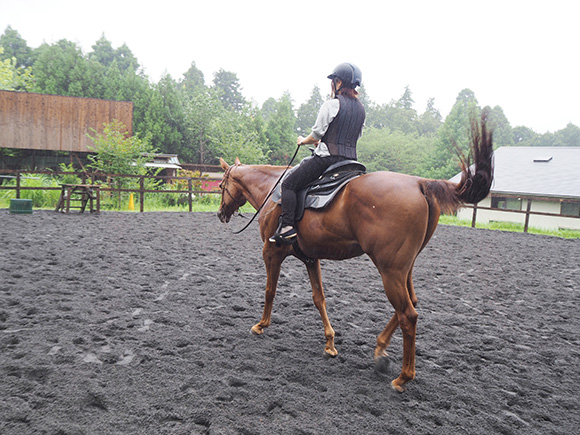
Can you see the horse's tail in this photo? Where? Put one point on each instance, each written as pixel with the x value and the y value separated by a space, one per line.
pixel 475 182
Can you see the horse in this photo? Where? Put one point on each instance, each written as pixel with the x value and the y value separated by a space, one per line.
pixel 388 216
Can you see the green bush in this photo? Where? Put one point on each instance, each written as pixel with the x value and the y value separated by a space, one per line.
pixel 40 198
pixel 67 178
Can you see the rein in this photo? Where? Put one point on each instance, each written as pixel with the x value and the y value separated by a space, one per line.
pixel 269 194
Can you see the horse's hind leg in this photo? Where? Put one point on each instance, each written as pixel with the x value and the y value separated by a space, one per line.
pixel 384 338
pixel 406 317
pixel 273 261
pixel 320 303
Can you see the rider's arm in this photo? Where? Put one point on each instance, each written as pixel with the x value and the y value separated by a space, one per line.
pixel 327 113
pixel 309 140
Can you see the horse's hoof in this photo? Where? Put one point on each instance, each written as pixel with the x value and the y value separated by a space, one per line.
pixel 257 330
pixel 382 364
pixel 397 387
pixel 330 352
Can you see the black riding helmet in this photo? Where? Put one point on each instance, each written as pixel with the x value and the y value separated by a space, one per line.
pixel 349 73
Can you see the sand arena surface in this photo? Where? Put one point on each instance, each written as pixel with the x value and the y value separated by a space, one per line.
pixel 140 323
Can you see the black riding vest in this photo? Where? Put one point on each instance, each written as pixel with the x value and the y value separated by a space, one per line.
pixel 344 130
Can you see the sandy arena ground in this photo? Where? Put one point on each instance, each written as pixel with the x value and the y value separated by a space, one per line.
pixel 140 324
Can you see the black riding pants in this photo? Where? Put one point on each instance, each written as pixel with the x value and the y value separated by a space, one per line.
pixel 308 171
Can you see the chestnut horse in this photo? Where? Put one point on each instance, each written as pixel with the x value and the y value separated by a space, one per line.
pixel 388 216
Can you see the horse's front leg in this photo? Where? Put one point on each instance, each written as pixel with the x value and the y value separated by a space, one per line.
pixel 273 258
pixel 320 303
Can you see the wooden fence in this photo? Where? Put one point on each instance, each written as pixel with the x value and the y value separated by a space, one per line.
pixel 93 178
pixel 528 212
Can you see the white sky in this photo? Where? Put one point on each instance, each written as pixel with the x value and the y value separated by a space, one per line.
pixel 522 55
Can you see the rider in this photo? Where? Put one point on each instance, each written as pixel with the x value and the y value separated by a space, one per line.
pixel 338 127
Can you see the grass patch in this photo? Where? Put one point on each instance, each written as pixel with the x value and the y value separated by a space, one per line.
pixel 153 203
pixel 509 226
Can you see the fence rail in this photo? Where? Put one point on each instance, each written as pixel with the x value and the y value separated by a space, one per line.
pixel 190 191
pixel 528 212
pixel 93 178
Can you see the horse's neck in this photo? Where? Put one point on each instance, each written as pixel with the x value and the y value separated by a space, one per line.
pixel 258 181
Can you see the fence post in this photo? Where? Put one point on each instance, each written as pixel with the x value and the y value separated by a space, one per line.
pixel 18 185
pixel 474 218
pixel 189 193
pixel 141 192
pixel 528 208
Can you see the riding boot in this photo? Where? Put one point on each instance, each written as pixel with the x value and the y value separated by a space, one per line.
pixel 284 235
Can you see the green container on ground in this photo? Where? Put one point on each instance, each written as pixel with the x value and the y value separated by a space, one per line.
pixel 21 206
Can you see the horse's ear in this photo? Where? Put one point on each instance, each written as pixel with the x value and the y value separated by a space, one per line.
pixel 238 161
pixel 223 164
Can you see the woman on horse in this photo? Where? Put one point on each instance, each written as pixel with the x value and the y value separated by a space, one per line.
pixel 338 127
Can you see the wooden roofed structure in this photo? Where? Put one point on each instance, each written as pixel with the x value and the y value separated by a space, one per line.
pixel 31 121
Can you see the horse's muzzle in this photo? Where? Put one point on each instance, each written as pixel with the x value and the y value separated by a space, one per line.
pixel 222 216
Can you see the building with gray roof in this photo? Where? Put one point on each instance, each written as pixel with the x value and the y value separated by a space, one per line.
pixel 542 180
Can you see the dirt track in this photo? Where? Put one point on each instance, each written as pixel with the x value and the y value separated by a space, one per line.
pixel 140 323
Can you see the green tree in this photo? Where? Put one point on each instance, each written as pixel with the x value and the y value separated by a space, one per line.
pixel 193 80
pixel 406 101
pixel 104 53
pixel 400 114
pixel 61 69
pixel 502 131
pixel 376 115
pixel 113 83
pixel 116 152
pixel 227 87
pixel 158 114
pixel 202 109
pixel 126 59
pixel 173 119
pixel 15 47
pixel 523 135
pixel 383 150
pixel 13 78
pixel 430 121
pixel 280 132
pixel 568 136
pixel 269 108
pixel 233 135
pixel 364 97
pixel 307 112
pixel 453 137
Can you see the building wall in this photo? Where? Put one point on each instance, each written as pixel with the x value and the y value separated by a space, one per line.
pixel 536 221
pixel 56 123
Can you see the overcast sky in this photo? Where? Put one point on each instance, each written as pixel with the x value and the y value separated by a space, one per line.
pixel 520 55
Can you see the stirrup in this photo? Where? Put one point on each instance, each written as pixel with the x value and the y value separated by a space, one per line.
pixel 286 238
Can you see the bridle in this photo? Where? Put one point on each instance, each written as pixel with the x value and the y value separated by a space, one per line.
pixel 224 186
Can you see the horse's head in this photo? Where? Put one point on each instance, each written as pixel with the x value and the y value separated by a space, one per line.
pixel 232 192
